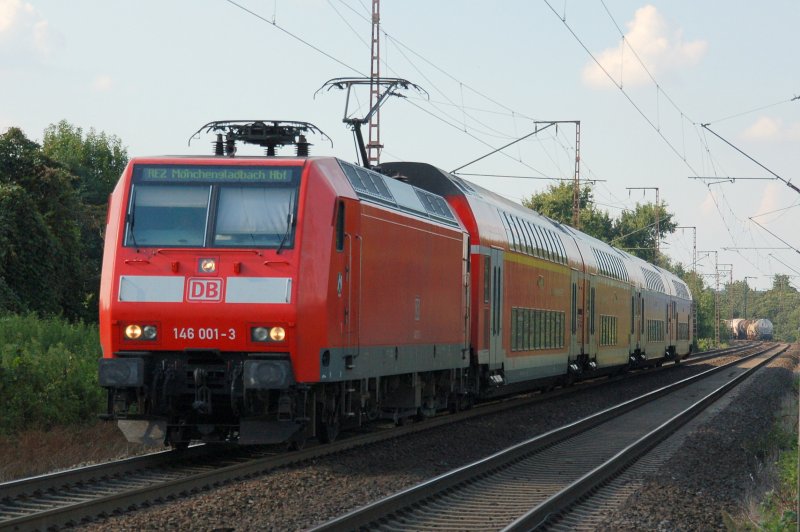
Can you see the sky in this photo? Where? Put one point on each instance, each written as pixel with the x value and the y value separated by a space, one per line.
pixel 153 72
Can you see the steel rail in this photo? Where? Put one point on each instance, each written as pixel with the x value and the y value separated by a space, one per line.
pixel 537 517
pixel 68 508
pixel 50 481
pixel 384 512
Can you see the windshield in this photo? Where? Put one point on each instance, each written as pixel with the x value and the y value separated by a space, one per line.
pixel 242 207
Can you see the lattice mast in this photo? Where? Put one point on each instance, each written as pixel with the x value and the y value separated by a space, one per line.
pixel 374 145
pixel 576 185
pixel 694 271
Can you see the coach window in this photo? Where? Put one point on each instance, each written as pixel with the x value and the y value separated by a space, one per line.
pixel 529 236
pixel 518 229
pixel 537 244
pixel 512 234
pixel 528 240
pixel 518 242
pixel 505 225
pixel 548 244
pixel 562 250
pixel 542 244
pixel 340 226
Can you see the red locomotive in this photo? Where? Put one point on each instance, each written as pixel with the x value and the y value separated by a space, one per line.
pixel 269 299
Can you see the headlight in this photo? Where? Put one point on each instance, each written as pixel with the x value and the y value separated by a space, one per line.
pixel 141 332
pixel 277 334
pixel 268 334
pixel 259 334
pixel 149 332
pixel 133 332
pixel 208 265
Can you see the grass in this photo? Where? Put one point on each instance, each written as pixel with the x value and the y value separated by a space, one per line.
pixel 35 452
pixel 772 501
pixel 50 398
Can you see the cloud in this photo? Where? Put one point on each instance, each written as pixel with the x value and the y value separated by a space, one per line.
pixel 773 197
pixel 772 129
pixel 102 83
pixel 11 13
pixel 660 47
pixel 24 29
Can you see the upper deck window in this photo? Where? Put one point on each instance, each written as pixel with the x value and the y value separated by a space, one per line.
pixel 212 206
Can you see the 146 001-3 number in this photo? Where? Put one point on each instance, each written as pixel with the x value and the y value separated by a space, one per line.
pixel 203 333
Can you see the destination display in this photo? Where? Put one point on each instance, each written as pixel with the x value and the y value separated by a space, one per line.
pixel 239 174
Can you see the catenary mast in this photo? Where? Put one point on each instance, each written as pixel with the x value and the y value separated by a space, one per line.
pixel 374 145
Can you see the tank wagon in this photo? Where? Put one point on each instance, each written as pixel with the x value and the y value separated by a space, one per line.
pixel 755 329
pixel 271 299
pixel 760 329
pixel 733 327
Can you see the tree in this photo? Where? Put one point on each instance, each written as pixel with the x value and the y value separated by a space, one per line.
pixel 40 246
pixel 635 231
pixel 556 202
pixel 781 305
pixel 97 160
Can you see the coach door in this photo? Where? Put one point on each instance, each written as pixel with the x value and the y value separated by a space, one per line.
pixel 592 319
pixel 576 314
pixel 496 353
pixel 633 338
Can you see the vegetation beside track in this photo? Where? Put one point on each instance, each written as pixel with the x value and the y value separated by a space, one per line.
pixel 48 373
pixel 774 504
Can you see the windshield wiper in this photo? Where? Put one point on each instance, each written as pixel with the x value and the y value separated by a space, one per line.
pixel 132 219
pixel 289 223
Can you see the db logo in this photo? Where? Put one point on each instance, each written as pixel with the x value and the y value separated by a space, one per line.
pixel 204 290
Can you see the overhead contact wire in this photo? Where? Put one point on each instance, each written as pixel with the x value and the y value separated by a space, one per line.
pixel 293 36
pixel 622 90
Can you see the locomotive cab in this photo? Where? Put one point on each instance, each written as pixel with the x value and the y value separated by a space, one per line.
pixel 198 307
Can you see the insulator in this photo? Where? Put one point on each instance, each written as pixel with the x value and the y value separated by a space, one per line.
pixel 302 146
pixel 230 145
pixel 219 148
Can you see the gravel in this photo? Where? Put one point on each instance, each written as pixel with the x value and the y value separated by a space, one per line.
pixel 690 495
pixel 717 465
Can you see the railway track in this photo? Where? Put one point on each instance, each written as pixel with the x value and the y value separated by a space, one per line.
pixel 76 496
pixel 535 484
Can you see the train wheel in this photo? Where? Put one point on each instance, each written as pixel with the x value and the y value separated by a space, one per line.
pixel 298 441
pixel 327 424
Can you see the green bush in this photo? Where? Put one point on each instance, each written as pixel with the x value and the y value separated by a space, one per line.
pixel 48 373
pixel 705 344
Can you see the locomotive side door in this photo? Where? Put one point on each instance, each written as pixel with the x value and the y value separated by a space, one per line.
pixel 496 353
pixel 348 244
